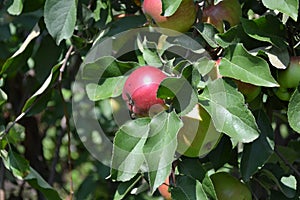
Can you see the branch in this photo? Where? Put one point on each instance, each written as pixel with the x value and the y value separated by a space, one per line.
pixel 287 162
pixel 66 116
pixel 55 157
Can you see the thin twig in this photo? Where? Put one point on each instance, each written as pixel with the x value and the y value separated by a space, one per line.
pixel 66 115
pixel 287 162
pixel 55 157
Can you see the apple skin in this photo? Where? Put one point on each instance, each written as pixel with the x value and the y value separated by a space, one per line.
pixel 226 10
pixel 228 187
pixel 283 93
pixel 140 90
pixel 198 136
pixel 290 77
pixel 164 190
pixel 249 91
pixel 181 21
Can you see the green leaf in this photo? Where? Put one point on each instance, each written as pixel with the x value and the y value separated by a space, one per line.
pixel 160 147
pixel 288 7
pixel 46 57
pixel 294 110
pixel 15 163
pixel 228 111
pixel 208 187
pixel 105 67
pixel 267 29
pixel 287 191
pixel 111 87
pixel 60 18
pixel 290 182
pixel 87 187
pixel 125 24
pixel 188 188
pixel 256 154
pixel 204 65
pixel 3 97
pixel 125 187
pixel 222 154
pixel 278 57
pixel 16 8
pixel 128 154
pixel 180 91
pixel 208 32
pixel 239 64
pixel 16 134
pixel 37 182
pixel 191 167
pixel 19 58
pixel 46 85
pixel 169 7
pixel 149 55
pixel 236 35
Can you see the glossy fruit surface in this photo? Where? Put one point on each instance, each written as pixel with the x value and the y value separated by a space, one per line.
pixel 140 90
pixel 283 93
pixel 164 190
pixel 226 10
pixel 198 135
pixel 181 21
pixel 290 77
pixel 228 187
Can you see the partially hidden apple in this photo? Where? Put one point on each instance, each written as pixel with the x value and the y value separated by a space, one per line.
pixel 181 21
pixel 284 94
pixel 290 77
pixel 226 10
pixel 164 190
pixel 140 91
pixel 249 91
pixel 228 187
pixel 198 136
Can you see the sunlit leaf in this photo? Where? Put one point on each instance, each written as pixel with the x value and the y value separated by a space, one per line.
pixel 241 65
pixel 3 97
pixel 19 58
pixel 60 18
pixel 289 7
pixel 160 147
pixel 111 87
pixel 16 7
pixel 37 182
pixel 128 154
pixel 46 85
pixel 228 111
pixel 294 110
pixel 169 7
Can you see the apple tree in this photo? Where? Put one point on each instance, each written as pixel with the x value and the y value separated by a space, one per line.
pixel 150 99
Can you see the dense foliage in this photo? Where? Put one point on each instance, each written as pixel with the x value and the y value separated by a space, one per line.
pixel 66 133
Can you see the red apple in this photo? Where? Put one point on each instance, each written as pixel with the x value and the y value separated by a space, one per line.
pixel 181 21
pixel 226 10
pixel 164 190
pixel 140 90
